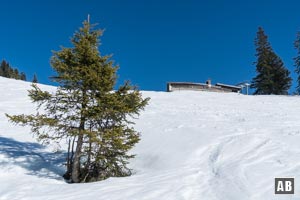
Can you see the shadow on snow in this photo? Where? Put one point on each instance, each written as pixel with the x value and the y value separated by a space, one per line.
pixel 32 157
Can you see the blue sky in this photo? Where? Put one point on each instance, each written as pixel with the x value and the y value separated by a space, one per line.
pixel 153 41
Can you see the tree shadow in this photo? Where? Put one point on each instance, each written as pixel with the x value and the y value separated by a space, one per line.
pixel 32 157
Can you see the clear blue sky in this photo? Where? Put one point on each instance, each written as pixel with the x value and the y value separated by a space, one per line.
pixel 153 41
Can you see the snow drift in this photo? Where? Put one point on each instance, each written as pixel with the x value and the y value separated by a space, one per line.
pixel 194 146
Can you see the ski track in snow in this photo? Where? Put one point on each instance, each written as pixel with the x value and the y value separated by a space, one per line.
pixel 194 146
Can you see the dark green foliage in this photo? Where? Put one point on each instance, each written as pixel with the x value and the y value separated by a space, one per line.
pixel 86 111
pixel 23 76
pixel 15 74
pixel 272 76
pixel 35 80
pixel 7 71
pixel 297 62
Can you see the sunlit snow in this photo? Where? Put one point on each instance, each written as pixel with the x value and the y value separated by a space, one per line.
pixel 194 146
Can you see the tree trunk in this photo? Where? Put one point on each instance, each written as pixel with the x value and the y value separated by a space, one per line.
pixel 76 162
pixel 67 174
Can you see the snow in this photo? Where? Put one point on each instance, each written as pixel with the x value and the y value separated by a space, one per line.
pixel 194 146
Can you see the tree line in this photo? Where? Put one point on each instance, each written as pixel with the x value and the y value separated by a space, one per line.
pixel 9 72
pixel 272 77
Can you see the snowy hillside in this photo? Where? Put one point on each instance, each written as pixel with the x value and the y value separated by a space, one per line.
pixel 194 146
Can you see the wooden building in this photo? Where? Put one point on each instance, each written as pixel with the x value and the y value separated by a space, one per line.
pixel 219 87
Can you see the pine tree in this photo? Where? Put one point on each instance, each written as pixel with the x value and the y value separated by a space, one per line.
pixel 87 111
pixel 5 69
pixel 297 62
pixel 15 74
pixel 23 76
pixel 1 71
pixel 35 80
pixel 272 76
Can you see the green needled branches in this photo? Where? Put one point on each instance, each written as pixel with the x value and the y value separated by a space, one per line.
pixel 95 119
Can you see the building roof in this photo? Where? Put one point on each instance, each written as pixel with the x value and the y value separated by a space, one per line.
pixel 204 84
pixel 228 86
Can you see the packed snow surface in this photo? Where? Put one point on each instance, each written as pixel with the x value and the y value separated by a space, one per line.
pixel 194 146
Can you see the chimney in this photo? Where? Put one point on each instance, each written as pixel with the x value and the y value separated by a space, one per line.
pixel 208 83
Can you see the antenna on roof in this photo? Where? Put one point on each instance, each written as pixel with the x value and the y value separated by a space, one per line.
pixel 247 88
pixel 243 85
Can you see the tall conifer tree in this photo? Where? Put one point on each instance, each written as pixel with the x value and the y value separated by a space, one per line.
pixel 23 76
pixel 87 111
pixel 297 62
pixel 272 76
pixel 35 80
pixel 5 69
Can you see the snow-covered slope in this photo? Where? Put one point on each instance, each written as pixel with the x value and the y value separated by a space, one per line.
pixel 194 146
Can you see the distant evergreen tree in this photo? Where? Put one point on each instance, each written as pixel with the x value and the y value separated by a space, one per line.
pixel 23 76
pixel 272 76
pixel 14 74
pixel 35 80
pixel 297 62
pixel 87 111
pixel 5 69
